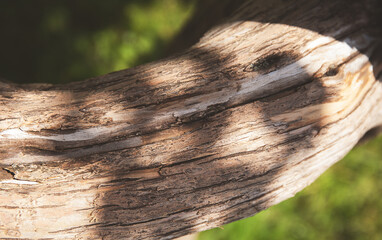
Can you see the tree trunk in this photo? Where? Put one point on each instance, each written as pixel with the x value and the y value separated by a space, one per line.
pixel 250 115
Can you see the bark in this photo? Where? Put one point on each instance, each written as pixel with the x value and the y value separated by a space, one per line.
pixel 250 115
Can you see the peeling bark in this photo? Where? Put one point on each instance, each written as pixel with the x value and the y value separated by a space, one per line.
pixel 247 117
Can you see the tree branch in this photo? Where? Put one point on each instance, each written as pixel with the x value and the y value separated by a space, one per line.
pixel 250 115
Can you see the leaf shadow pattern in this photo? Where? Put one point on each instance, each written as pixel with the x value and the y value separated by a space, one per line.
pixel 335 15
pixel 223 171
pixel 181 162
pixel 224 174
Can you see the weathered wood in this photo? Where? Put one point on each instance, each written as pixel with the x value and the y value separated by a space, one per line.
pixel 247 117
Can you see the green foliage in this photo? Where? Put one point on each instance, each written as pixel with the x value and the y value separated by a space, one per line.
pixel 65 40
pixel 142 39
pixel 68 40
pixel 344 203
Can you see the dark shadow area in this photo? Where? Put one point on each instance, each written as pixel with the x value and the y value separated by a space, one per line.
pixel 247 181
pixel 68 40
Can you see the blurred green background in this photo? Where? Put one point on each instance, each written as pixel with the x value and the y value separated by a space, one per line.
pixel 70 40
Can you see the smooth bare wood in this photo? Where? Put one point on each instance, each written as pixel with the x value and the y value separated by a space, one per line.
pixel 250 115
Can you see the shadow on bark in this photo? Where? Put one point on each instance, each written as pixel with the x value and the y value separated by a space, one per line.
pixel 218 184
pixel 293 13
pixel 244 185
pixel 215 179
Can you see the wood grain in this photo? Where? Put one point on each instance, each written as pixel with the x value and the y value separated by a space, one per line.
pixel 244 119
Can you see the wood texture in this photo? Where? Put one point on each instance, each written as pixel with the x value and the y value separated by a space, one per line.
pixel 247 117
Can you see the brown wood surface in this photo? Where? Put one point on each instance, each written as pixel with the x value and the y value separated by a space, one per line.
pixel 255 111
